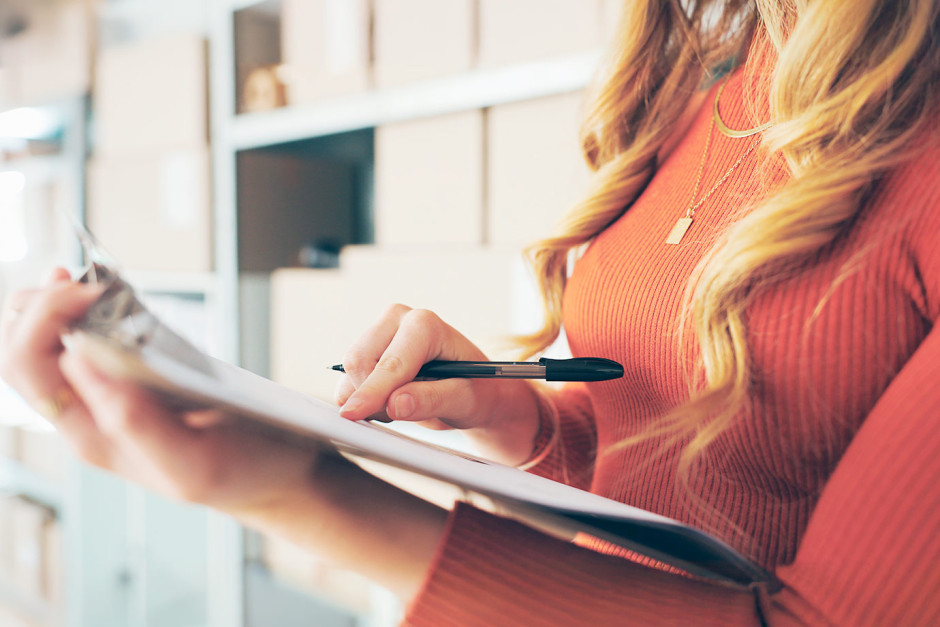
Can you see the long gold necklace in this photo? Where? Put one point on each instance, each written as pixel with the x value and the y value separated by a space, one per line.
pixel 682 224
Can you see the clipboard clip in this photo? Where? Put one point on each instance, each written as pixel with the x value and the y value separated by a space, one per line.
pixel 119 316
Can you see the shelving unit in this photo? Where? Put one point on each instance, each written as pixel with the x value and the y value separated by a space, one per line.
pixel 118 535
pixel 15 478
pixel 242 293
pixel 476 89
pixel 36 610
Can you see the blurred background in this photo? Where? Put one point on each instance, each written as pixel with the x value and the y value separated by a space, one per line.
pixel 270 175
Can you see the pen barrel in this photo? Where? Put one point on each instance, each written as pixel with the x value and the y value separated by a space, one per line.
pixel 481 370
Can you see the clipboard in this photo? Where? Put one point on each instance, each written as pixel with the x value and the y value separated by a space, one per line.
pixel 125 340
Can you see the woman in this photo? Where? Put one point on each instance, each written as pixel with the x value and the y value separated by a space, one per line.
pixel 762 257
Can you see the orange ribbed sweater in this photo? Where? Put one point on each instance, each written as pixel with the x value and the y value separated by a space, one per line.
pixel 830 479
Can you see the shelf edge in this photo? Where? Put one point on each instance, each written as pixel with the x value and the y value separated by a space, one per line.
pixel 471 90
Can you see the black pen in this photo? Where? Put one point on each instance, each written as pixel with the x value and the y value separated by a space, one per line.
pixel 577 369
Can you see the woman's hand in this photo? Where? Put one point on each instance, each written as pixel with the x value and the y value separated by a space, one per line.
pixel 195 456
pixel 318 501
pixel 500 415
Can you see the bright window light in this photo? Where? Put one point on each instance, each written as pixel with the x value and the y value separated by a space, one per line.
pixel 28 123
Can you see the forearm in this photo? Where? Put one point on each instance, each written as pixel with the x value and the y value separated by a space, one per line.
pixel 360 523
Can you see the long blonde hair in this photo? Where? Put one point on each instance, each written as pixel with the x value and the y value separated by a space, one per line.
pixel 848 105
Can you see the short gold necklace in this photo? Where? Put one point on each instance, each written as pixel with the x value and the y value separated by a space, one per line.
pixel 683 224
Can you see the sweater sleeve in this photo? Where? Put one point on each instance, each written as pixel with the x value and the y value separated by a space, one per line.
pixel 869 554
pixel 567 454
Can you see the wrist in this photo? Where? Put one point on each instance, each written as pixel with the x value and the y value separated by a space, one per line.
pixel 509 433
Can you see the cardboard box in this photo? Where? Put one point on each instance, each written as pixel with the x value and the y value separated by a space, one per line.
pixel 326 48
pixel 28 521
pixel 420 39
pixel 429 181
pixel 151 95
pixel 316 315
pixel 532 30
pixel 52 58
pixel 53 562
pixel 7 541
pixel 153 212
pixel 535 169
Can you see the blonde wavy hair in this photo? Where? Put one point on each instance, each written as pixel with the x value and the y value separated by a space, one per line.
pixel 848 105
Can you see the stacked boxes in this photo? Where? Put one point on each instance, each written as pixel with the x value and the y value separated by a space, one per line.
pixel 326 48
pixel 421 39
pixel 340 47
pixel 51 59
pixel 456 197
pixel 429 181
pixel 149 182
pixel 531 30
pixel 31 550
pixel 535 170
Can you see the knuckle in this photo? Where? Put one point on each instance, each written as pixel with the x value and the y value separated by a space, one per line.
pixel 396 311
pixel 356 364
pixel 422 318
pixel 433 400
pixel 391 364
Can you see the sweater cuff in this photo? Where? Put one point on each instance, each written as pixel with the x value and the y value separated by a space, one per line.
pixel 547 435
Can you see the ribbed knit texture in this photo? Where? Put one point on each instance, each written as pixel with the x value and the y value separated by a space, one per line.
pixel 829 479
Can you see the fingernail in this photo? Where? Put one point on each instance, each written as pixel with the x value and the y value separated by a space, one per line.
pixel 404 405
pixel 351 406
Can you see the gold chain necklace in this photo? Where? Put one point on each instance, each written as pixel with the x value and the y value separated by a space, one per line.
pixel 682 224
pixel 730 132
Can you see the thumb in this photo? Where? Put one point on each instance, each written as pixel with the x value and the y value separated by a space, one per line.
pixel 457 403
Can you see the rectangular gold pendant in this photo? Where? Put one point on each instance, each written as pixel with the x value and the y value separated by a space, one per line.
pixel 675 235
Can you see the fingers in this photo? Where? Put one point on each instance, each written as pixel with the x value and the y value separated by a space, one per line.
pixel 57 274
pixel 32 340
pixel 454 402
pixel 417 341
pixel 344 389
pixel 46 313
pixel 13 308
pixel 149 441
pixel 364 354
pixel 382 365
pixel 16 303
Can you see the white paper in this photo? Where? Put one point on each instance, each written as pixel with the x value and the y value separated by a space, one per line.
pixel 546 503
